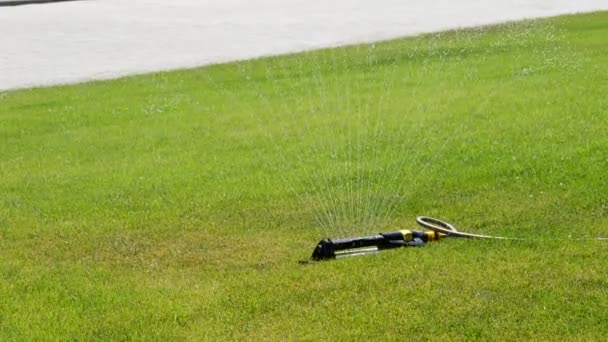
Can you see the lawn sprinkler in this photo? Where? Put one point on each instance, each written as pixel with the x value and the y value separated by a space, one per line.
pixel 328 249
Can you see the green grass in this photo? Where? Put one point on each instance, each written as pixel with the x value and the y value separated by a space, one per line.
pixel 175 206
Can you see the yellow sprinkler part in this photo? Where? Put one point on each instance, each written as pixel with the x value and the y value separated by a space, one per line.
pixel 407 235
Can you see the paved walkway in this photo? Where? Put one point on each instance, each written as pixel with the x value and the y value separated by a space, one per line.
pixel 66 42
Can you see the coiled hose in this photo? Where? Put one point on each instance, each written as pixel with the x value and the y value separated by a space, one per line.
pixel 447 229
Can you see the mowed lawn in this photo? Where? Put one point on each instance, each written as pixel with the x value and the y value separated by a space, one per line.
pixel 175 206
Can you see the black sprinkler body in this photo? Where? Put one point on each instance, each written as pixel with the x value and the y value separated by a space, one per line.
pixel 337 248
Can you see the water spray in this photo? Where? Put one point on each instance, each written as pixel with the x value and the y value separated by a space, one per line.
pixel 436 229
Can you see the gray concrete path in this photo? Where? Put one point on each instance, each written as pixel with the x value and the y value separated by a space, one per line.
pixel 66 42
